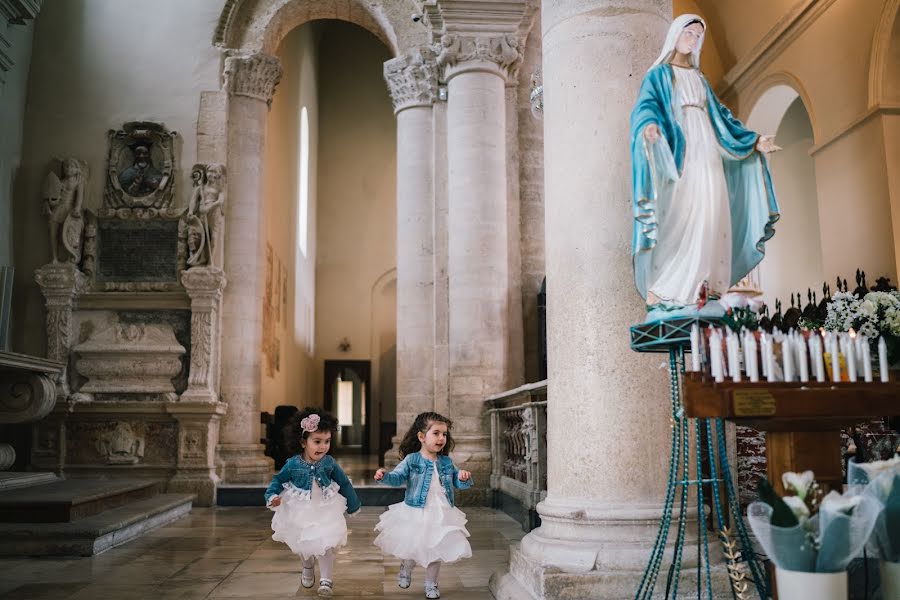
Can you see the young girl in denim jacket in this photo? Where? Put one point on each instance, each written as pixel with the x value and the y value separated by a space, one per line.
pixel 426 528
pixel 309 496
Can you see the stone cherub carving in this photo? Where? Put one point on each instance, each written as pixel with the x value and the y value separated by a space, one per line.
pixel 204 216
pixel 63 200
pixel 123 445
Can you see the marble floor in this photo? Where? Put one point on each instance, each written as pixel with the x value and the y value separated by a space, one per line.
pixel 229 553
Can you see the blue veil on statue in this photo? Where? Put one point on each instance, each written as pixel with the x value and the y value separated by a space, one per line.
pixel 702 195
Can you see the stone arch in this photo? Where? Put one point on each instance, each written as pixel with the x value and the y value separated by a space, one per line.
pixel 260 25
pixel 794 255
pixel 770 98
pixel 884 61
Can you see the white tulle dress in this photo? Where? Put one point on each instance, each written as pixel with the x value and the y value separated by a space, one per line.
pixel 310 522
pixel 436 532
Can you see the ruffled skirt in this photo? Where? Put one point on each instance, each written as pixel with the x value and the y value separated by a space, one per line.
pixel 310 522
pixel 424 535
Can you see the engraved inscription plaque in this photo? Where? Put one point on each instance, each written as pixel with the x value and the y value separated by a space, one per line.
pixel 137 251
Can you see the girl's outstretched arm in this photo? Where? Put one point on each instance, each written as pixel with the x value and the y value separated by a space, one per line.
pixel 464 482
pixel 347 490
pixel 278 481
pixel 397 477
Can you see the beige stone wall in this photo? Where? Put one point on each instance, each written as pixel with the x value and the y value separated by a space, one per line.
pixel 90 73
pixel 12 113
pixel 793 260
pixel 356 221
pixel 828 53
pixel 291 382
pixel 531 201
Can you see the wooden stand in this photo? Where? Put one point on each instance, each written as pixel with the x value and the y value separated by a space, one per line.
pixel 802 421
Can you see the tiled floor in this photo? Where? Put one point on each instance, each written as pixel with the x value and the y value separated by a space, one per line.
pixel 229 553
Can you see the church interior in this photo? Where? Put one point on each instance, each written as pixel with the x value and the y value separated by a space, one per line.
pixel 216 213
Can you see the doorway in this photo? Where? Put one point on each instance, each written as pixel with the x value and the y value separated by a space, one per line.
pixel 348 394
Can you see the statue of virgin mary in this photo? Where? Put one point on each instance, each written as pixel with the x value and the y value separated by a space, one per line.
pixel 703 200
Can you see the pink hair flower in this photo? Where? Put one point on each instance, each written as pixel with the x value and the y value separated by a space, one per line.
pixel 310 424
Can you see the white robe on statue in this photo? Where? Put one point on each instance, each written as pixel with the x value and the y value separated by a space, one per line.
pixel 694 244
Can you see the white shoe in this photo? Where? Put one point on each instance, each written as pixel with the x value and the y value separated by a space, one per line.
pixel 307 577
pixel 325 588
pixel 404 577
pixel 432 591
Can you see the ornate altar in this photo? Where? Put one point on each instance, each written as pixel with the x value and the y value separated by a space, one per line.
pixel 133 312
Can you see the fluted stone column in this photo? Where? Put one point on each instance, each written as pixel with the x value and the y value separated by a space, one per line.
pixel 412 81
pixel 608 407
pixel 250 84
pixel 476 69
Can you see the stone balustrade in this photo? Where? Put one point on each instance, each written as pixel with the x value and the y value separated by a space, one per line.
pixel 519 451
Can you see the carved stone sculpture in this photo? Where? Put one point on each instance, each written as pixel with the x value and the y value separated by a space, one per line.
pixel 123 445
pixel 63 198
pixel 205 214
pixel 130 358
pixel 141 167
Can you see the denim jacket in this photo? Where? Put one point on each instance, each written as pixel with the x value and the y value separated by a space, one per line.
pixel 300 474
pixel 415 471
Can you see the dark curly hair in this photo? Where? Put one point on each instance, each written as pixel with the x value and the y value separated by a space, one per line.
pixel 294 434
pixel 411 443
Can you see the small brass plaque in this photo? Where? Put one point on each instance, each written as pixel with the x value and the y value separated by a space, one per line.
pixel 753 403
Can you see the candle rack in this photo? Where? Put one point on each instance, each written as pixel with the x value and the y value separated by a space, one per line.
pixel 802 421
pixel 673 337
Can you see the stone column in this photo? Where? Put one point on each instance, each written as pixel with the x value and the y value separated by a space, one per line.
pixel 204 285
pixel 412 82
pixel 250 84
pixel 476 72
pixel 608 408
pixel 60 283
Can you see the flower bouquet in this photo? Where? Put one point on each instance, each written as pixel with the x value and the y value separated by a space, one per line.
pixel 880 481
pixel 811 538
pixel 877 314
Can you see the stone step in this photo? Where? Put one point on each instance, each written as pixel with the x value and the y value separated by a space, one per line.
pixel 254 495
pixel 10 480
pixel 71 499
pixel 95 534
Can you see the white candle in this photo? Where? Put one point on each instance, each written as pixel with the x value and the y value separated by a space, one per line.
pixel 715 352
pixel 851 358
pixel 882 359
pixel 815 349
pixel 800 344
pixel 763 342
pixel 866 359
pixel 770 359
pixel 834 350
pixel 734 357
pixel 858 344
pixel 695 348
pixel 750 357
pixel 787 356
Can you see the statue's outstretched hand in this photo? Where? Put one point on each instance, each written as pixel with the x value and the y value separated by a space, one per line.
pixel 766 144
pixel 651 132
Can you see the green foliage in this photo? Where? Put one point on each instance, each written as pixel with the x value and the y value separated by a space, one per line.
pixel 782 515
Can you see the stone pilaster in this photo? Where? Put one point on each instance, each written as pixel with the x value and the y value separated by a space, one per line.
pixel 198 438
pixel 250 84
pixel 204 285
pixel 60 283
